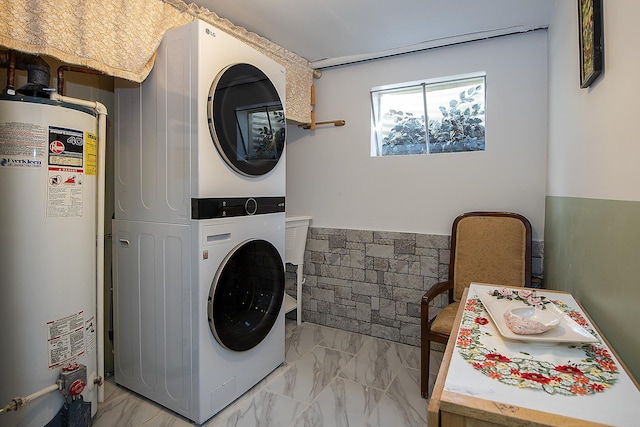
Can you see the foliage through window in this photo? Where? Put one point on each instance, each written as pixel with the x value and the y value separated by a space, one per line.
pixel 435 116
pixel 261 132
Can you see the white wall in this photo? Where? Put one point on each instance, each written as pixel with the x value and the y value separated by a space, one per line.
pixel 331 176
pixel 593 133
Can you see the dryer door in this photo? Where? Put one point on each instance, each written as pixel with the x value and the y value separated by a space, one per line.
pixel 246 119
pixel 246 295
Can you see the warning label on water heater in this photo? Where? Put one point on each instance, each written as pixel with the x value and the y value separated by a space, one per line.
pixel 65 339
pixel 91 151
pixel 64 193
pixel 64 187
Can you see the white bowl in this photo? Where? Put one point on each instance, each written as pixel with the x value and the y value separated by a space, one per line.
pixel 530 320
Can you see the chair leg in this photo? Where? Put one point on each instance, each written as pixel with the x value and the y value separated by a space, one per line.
pixel 424 367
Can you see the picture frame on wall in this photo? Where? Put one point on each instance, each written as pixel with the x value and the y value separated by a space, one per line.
pixel 590 40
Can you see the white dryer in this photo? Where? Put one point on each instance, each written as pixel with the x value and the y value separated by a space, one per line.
pixel 199 317
pixel 208 122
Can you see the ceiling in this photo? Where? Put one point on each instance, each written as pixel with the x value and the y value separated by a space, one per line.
pixel 336 32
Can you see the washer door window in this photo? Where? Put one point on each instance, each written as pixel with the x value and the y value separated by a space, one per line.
pixel 246 295
pixel 246 119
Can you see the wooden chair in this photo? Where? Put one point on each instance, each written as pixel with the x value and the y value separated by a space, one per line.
pixel 486 247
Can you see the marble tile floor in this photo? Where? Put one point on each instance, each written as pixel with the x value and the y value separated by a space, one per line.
pixel 330 378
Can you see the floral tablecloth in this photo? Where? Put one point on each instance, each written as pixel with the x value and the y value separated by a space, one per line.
pixel 569 369
pixel 583 381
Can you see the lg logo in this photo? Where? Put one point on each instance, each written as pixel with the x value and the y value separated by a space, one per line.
pixel 210 32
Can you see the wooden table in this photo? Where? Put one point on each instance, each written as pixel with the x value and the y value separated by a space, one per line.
pixel 487 380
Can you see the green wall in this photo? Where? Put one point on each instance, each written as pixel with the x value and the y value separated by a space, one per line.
pixel 592 249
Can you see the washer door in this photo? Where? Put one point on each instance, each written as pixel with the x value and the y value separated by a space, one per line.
pixel 246 295
pixel 246 119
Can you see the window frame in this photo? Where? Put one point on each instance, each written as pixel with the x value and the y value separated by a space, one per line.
pixel 376 138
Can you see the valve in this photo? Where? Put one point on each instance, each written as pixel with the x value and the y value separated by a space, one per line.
pixel 73 380
pixel 77 387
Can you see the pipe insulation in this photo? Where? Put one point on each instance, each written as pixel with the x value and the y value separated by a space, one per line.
pixel 18 402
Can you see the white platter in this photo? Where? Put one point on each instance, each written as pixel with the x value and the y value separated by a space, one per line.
pixel 568 331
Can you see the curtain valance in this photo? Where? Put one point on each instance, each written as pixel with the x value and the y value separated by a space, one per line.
pixel 120 38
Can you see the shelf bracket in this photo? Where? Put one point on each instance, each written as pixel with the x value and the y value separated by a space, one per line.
pixel 312 125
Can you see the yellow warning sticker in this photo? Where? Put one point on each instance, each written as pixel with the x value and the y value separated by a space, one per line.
pixel 91 153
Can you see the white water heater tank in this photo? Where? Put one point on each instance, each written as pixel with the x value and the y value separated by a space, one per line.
pixel 48 180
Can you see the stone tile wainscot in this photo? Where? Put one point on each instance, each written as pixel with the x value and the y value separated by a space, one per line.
pixel 371 282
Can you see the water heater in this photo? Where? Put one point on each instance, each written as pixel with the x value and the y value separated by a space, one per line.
pixel 48 180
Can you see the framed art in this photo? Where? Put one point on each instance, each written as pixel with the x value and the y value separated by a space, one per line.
pixel 590 38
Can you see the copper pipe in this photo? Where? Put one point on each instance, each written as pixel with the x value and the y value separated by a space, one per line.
pixel 63 68
pixel 8 58
pixel 11 72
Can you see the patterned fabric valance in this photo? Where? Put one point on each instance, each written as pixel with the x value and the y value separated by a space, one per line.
pixel 120 38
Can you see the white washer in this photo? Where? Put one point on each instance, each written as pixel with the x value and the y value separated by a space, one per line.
pixel 208 122
pixel 195 329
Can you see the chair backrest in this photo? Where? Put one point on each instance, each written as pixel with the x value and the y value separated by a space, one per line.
pixel 490 247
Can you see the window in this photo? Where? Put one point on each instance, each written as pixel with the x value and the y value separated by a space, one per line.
pixel 425 117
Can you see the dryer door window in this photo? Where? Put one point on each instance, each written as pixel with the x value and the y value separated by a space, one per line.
pixel 246 295
pixel 246 119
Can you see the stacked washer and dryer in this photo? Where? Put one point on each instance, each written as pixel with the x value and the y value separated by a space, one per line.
pixel 199 228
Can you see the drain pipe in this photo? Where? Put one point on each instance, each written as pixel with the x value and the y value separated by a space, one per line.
pixel 101 110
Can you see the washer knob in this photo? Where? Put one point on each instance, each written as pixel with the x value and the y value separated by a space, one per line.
pixel 251 206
